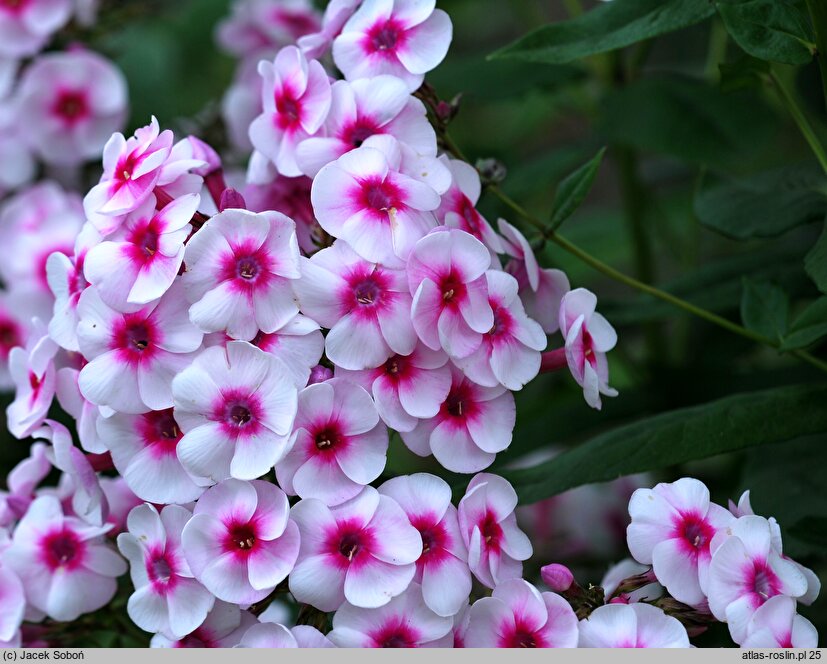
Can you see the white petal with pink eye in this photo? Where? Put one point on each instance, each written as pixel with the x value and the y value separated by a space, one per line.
pixel 268 635
pixel 14 603
pixel 456 451
pixel 318 581
pixel 428 43
pixel 776 625
pixel 375 582
pixel 273 562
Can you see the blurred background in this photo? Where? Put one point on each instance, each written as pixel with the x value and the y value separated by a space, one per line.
pixel 672 131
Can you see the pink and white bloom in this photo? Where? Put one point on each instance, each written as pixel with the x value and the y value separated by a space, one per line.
pixel 472 425
pixel 32 370
pixel 72 101
pixel 240 266
pixel 27 25
pixel 775 624
pixel 541 289
pixel 363 108
pixel 631 626
pixel 12 333
pixel 240 542
pixel 86 413
pixel 133 357
pixel 365 306
pixel 672 529
pixel 236 408
pixel 144 451
pixel 406 388
pixel 131 169
pixel 257 26
pixel 291 196
pixel 458 207
pixel 68 567
pixel 442 569
pixel 223 628
pixel 517 615
pixel 13 601
pixel 404 622
pixel 589 336
pixel 363 551
pixel 275 635
pixel 380 212
pixel 336 14
pixel 339 444
pixel 496 545
pixel 22 481
pixel 509 354
pixel 139 263
pixel 746 571
pixel 405 38
pixel 446 275
pixel 296 99
pixel 299 344
pixel 167 598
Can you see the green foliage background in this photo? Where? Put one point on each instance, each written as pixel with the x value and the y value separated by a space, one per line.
pixel 707 190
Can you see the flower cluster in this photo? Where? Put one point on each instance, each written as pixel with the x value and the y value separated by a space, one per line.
pixel 244 375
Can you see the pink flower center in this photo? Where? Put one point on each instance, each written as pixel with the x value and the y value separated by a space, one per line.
pixel 248 267
pixel 9 337
pixel 145 240
pixel 764 582
pixel 328 438
pixel 523 639
pixel 297 23
pixel 350 545
pixel 459 404
pixel 135 338
pixel 238 412
pixel 397 634
pixel 434 537
pixel 62 549
pixel 396 367
pixel 14 6
pixel 469 213
pixel 241 538
pixel 696 532
pixel 491 531
pixel 160 569
pixel 588 351
pixel 359 132
pixel 380 195
pixel 385 36
pixel 452 289
pixel 289 110
pixel 71 106
pixel 503 321
pixel 159 430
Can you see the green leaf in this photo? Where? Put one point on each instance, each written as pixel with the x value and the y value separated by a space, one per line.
pixel 772 30
pixel 745 72
pixel 765 309
pixel 610 26
pixel 809 327
pixel 763 205
pixel 815 262
pixel 688 118
pixel 727 425
pixel 573 190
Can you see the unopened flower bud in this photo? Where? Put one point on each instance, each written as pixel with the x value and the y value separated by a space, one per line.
pixel 557 577
pixel 230 198
pixel 319 374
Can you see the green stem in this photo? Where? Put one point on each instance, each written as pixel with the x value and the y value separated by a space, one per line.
pixel 612 273
pixel 716 53
pixel 632 196
pixel 788 99
pixel 818 13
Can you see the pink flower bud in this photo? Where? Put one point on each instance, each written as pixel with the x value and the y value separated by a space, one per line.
pixel 204 152
pixel 230 198
pixel 319 374
pixel 557 577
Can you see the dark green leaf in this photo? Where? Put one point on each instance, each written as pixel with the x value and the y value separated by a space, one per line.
pixel 689 119
pixel 745 72
pixel 573 190
pixel 773 30
pixel 815 262
pixel 764 205
pixel 765 309
pixel 809 327
pixel 734 423
pixel 610 26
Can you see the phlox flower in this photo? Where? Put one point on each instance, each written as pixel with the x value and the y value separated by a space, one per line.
pixel 32 370
pixel 496 545
pixel 363 108
pixel 241 104
pixel 775 624
pixel 458 207
pixel 589 336
pixel 291 196
pixel 240 266
pixel 167 598
pixel 86 413
pixel 365 306
pixel 240 542
pixel 296 99
pixel 12 333
pixel 672 528
pixel 363 551
pixel 405 38
pixel 26 26
pixel 462 621
pixel 223 628
pixel 446 275
pixel 517 615
pixel 377 210
pixel 236 407
pixel 541 289
pixel 509 354
pixel 404 622
pixel 144 451
pixel 120 499
pixel 746 571
pixel 68 567
pixel 257 26
pixel 13 601
pixel 275 635
pixel 140 261
pixel 406 388
pixel 131 170
pixel 72 102
pixel 336 14
pixel 339 444
pixel 631 626
pixel 22 481
pixel 442 569
pixel 472 425
pixel 133 357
